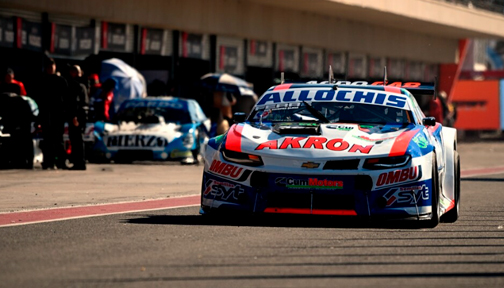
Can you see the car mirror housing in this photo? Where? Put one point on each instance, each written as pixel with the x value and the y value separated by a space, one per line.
pixel 429 121
pixel 239 117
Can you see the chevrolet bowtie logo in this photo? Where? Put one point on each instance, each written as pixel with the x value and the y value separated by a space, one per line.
pixel 310 165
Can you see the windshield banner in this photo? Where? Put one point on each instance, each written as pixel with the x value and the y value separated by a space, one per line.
pixel 341 95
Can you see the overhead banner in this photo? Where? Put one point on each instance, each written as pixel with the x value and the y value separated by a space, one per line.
pixel 395 69
pixel 85 40
pixel 357 64
pixel 7 32
pixel 312 62
pixel 414 71
pixel 31 35
pixel 155 42
pixel 287 58
pixel 260 53
pixel 337 60
pixel 194 46
pixel 230 56
pixel 61 39
pixel 376 67
pixel 116 37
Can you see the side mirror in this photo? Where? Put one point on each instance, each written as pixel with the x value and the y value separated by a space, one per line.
pixel 239 117
pixel 429 121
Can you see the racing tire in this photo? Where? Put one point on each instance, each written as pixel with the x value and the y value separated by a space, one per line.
pixel 452 215
pixel 435 215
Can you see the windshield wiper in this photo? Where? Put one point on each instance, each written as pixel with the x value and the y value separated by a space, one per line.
pixel 315 113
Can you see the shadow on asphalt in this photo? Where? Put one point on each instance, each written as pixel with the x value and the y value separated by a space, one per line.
pixel 294 221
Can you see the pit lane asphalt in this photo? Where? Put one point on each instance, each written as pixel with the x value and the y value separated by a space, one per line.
pixel 178 248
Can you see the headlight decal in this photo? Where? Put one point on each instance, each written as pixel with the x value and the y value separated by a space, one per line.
pixel 242 158
pixel 386 162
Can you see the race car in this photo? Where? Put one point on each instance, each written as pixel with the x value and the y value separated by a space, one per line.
pixel 152 128
pixel 340 148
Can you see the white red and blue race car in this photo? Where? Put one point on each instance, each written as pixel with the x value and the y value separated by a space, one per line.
pixel 153 128
pixel 336 149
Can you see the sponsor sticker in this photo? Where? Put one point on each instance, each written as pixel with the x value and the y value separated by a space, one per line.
pixel 314 143
pixel 222 190
pixel 157 104
pixel 340 127
pixel 399 176
pixel 407 195
pixel 228 170
pixel 341 95
pixel 310 183
pixel 420 140
pixel 179 154
pixel 139 141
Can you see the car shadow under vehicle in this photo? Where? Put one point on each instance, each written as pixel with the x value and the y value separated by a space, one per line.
pixel 294 221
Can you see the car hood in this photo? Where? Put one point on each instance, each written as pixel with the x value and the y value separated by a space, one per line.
pixel 329 141
pixel 169 131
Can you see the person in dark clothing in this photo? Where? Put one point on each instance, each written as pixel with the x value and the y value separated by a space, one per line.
pixel 52 93
pixel 16 149
pixel 11 85
pixel 76 109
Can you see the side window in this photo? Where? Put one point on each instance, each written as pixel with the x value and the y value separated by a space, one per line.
pixel 416 109
pixel 198 113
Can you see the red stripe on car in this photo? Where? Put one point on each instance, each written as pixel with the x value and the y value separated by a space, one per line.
pixel 401 143
pixel 282 87
pixel 339 212
pixel 234 136
pixel 392 89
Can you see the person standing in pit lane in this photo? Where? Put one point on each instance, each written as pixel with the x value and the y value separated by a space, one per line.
pixel 103 103
pixel 52 93
pixel 11 85
pixel 77 108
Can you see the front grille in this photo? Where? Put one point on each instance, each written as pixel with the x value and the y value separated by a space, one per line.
pixel 342 164
pixel 259 179
pixel 303 200
pixel 363 182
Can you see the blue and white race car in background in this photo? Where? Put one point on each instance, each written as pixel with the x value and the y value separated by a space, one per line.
pixel 336 149
pixel 152 128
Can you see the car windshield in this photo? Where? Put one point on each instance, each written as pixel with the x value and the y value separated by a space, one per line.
pixel 152 114
pixel 330 112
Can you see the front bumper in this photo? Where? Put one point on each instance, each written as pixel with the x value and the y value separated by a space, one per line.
pixel 343 195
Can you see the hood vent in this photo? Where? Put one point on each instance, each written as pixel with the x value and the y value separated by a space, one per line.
pixel 297 129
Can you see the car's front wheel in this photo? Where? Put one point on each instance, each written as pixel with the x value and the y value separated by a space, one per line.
pixel 435 215
pixel 452 215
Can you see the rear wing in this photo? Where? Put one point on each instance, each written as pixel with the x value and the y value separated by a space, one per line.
pixel 415 88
